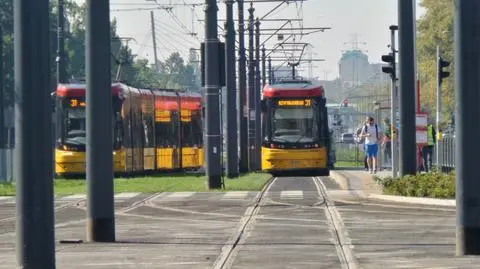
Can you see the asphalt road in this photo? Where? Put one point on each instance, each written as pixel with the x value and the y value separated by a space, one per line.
pixel 296 223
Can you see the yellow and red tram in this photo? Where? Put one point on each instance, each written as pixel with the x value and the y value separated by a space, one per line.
pixel 154 130
pixel 295 129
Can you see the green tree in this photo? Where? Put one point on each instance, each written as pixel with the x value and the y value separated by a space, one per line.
pixel 436 28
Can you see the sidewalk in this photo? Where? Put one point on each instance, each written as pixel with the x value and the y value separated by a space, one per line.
pixel 363 182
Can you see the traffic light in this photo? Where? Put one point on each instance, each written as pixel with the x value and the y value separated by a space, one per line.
pixel 390 69
pixel 442 74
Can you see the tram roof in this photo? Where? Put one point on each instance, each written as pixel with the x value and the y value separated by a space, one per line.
pixel 293 89
pixel 76 90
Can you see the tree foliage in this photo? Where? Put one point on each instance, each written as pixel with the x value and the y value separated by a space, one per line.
pixel 174 74
pixel 436 28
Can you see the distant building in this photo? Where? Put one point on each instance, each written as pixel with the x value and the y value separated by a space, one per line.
pixel 356 70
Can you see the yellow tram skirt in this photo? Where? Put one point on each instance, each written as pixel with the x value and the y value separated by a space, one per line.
pixel 74 163
pixel 294 159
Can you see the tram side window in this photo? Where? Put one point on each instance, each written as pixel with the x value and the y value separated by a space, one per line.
pixel 164 131
pixel 197 129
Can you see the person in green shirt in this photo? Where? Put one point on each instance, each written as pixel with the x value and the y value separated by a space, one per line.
pixel 387 141
pixel 427 150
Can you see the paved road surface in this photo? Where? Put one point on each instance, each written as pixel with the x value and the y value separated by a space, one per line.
pixel 294 224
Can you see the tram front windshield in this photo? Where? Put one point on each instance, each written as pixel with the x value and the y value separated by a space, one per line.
pixel 294 125
pixel 73 132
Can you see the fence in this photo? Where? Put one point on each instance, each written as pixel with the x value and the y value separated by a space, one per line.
pixel 446 149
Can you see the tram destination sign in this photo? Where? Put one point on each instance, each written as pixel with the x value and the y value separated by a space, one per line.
pixel 297 103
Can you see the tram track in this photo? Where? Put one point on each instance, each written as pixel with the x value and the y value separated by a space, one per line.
pixel 226 255
pixel 78 204
pixel 341 239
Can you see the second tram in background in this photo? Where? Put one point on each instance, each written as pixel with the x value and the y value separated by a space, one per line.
pixel 153 130
pixel 296 135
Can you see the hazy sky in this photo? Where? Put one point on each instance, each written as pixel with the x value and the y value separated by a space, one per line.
pixel 367 19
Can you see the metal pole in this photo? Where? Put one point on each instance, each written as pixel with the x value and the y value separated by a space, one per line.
pixel 258 96
pixel 393 109
pixel 242 91
pixel 439 105
pixel 467 92
pixel 270 72
pixel 33 120
pixel 101 217
pixel 232 142
pixel 154 39
pixel 264 71
pixel 212 98
pixel 408 155
pixel 251 92
pixel 61 63
pixel 3 152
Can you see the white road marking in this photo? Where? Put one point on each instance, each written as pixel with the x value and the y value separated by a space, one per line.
pixel 291 194
pixel 235 194
pixel 180 194
pixel 126 194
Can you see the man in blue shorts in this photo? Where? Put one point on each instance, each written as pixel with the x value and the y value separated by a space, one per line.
pixel 371 133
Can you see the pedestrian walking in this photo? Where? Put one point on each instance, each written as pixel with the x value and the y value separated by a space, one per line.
pixel 372 134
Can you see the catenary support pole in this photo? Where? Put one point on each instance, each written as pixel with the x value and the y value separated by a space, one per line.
pixel 3 144
pixel 408 147
pixel 242 91
pixel 264 70
pixel 467 31
pixel 251 91
pixel 258 91
pixel 61 61
pixel 154 40
pixel 101 217
pixel 212 98
pixel 232 139
pixel 270 71
pixel 33 120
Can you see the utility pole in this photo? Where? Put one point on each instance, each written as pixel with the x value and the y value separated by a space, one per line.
pixel 441 63
pixel 258 93
pixel 270 71
pixel 264 71
pixel 251 92
pixel 35 232
pixel 61 61
pixel 467 92
pixel 212 97
pixel 4 175
pixel 155 55
pixel 408 147
pixel 100 189
pixel 242 91
pixel 232 142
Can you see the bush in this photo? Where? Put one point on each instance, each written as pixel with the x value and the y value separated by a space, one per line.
pixel 432 185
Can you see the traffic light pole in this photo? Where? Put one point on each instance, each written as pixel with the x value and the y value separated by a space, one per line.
pixel 439 104
pixel 408 147
pixel 467 31
pixel 35 232
pixel 212 97
pixel 393 110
